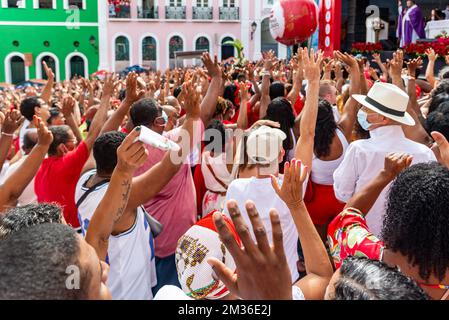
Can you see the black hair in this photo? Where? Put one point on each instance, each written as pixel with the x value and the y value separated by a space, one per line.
pixel 439 120
pixel 365 279
pixel 229 93
pixel 210 142
pixel 39 258
pixel 122 95
pixel 19 218
pixel 437 100
pixel 280 110
pixel 105 151
pixel 177 91
pixel 144 112
pixel 443 87
pixel 416 222
pixel 54 112
pixel 29 140
pixel 60 135
pixel 325 130
pixel 277 90
pixel 27 107
pixel 444 73
pixel 241 77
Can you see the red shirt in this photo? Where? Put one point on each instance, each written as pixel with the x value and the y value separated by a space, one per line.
pixel 253 115
pixel 57 178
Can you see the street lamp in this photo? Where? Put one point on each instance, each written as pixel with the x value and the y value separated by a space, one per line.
pixel 253 29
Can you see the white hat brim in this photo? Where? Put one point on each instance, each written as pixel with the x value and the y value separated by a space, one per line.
pixel 407 119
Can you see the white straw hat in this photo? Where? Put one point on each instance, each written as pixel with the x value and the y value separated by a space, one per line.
pixel 388 100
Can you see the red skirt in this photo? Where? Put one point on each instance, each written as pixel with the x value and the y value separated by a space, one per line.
pixel 321 203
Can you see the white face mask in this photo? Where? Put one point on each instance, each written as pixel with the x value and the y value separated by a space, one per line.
pixel 362 118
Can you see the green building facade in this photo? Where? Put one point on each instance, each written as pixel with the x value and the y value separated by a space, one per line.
pixel 63 33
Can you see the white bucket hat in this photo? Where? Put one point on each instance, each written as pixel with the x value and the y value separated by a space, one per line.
pixel 388 100
pixel 264 144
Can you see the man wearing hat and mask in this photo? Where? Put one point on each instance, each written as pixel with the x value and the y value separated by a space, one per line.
pixel 383 113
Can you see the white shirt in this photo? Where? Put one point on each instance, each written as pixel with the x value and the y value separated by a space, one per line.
pixel 28 195
pixel 363 161
pixel 130 256
pixel 261 192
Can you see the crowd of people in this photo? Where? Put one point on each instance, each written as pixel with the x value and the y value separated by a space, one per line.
pixel 304 179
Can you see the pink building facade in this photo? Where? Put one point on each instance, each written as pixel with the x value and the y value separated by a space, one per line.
pixel 149 32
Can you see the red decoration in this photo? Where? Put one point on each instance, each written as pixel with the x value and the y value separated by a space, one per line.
pixel 330 26
pixel 293 21
pixel 368 48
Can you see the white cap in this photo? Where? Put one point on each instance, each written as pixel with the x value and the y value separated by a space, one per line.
pixel 264 145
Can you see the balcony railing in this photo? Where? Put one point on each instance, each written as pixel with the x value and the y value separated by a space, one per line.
pixel 120 11
pixel 229 13
pixel 175 13
pixel 202 13
pixel 147 13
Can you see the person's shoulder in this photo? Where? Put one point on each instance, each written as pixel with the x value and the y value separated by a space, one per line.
pixel 239 184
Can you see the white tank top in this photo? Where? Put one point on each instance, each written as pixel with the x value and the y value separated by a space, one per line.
pixel 130 255
pixel 323 171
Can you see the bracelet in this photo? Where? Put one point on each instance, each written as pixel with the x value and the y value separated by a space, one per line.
pixel 8 134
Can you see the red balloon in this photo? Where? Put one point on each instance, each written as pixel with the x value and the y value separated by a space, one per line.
pixel 293 21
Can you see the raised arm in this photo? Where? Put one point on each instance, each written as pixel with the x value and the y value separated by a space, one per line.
pixel 133 94
pixel 430 71
pixel 209 103
pixel 378 61
pixel 364 200
pixel 304 148
pixel 242 120
pixel 256 97
pixel 47 91
pixel 101 115
pixel 298 76
pixel 13 120
pixel 417 132
pixel 18 181
pixel 318 266
pixel 396 69
pixel 270 61
pixel 68 107
pixel 130 156
pixel 350 110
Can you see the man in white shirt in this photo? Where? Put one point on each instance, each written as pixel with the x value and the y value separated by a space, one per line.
pixel 383 113
pixel 264 149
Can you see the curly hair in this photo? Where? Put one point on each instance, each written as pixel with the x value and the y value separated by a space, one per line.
pixel 365 279
pixel 325 129
pixel 416 222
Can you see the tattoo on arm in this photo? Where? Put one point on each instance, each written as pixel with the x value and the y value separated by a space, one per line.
pixel 125 195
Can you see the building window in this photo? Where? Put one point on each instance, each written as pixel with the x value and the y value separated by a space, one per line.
pixel 175 3
pixel 202 3
pixel 227 50
pixel 229 3
pixel 77 67
pixel 15 3
pixel 149 53
pixel 76 3
pixel 121 53
pixel 176 44
pixel 17 67
pixel 120 9
pixel 45 4
pixel 202 43
pixel 51 63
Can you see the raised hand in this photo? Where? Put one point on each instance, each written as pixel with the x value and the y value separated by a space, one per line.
pixel 109 85
pixel 213 68
pixel 191 99
pixel 48 71
pixel 133 94
pixel 270 60
pixel 397 63
pixel 68 106
pixel 243 91
pixel 312 63
pixel 346 59
pixel 414 64
pixel 13 120
pixel 262 271
pixel 131 154
pixel 395 163
pixel 44 136
pixel 431 55
pixel 291 190
pixel 443 145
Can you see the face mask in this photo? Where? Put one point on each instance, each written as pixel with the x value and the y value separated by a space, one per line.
pixel 362 119
pixel 164 116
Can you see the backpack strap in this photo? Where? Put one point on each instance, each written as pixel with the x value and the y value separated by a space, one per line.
pixel 90 190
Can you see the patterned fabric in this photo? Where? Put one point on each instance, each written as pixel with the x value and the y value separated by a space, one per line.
pixel 348 235
pixel 198 244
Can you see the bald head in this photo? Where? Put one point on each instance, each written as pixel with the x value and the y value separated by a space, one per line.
pixel 172 101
